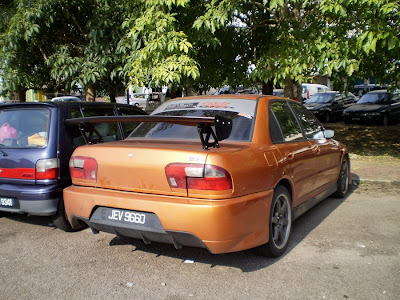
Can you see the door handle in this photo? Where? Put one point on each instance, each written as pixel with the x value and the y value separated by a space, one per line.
pixel 317 150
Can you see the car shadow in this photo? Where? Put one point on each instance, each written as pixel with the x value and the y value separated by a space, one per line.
pixel 248 260
pixel 28 219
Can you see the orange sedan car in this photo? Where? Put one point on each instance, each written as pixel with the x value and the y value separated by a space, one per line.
pixel 226 173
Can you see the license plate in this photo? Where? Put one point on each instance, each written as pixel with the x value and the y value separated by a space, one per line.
pixel 124 216
pixel 356 119
pixel 117 217
pixel 7 202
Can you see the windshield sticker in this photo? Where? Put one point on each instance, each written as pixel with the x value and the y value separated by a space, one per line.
pixel 245 115
pixel 181 105
pixel 216 105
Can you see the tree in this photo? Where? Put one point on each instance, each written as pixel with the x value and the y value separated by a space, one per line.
pixel 55 44
pixel 281 42
pixel 368 35
pixel 195 44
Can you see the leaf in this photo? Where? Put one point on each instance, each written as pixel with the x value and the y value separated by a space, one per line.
pixel 392 42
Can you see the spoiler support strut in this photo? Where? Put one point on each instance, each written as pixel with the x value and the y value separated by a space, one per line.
pixel 223 126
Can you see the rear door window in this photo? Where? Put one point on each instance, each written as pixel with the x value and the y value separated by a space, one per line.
pixel 283 124
pixel 24 128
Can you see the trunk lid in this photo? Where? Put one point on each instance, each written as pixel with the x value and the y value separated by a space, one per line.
pixel 139 166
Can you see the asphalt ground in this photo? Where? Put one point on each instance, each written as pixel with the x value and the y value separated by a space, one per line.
pixel 341 249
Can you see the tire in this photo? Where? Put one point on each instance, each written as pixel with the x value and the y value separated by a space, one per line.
pixel 60 219
pixel 385 120
pixel 343 180
pixel 280 223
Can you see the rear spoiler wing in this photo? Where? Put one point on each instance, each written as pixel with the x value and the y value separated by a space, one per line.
pixel 223 126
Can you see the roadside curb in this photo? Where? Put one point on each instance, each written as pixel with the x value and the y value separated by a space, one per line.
pixel 357 180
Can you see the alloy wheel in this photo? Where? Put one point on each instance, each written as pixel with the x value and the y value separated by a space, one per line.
pixel 344 176
pixel 281 221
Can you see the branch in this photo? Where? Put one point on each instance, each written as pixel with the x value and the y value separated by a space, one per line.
pixel 43 53
pixel 78 25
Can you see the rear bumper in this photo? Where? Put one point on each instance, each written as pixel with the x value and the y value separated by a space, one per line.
pixel 39 200
pixel 221 226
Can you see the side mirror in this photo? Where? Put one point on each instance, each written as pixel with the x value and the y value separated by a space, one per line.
pixel 329 133
pixel 325 134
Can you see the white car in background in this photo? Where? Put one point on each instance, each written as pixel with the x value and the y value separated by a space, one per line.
pixel 139 100
pixel 309 89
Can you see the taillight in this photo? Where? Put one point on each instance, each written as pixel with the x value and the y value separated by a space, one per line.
pixel 83 167
pixel 308 94
pixel 198 177
pixel 47 168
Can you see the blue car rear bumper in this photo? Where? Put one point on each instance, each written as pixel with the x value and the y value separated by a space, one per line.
pixel 39 200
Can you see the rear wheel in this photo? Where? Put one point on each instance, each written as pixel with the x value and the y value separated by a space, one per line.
pixel 60 218
pixel 343 180
pixel 280 223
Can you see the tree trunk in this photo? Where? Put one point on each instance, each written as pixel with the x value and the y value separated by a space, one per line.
pixel 292 90
pixel 267 87
pixel 112 95
pixel 21 94
pixel 90 93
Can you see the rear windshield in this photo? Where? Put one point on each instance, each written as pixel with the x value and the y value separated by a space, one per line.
pixel 240 111
pixel 24 128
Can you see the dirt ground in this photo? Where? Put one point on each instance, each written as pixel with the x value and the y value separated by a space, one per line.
pixel 340 249
pixel 368 140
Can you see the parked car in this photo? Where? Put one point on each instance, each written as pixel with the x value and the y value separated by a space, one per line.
pixel 147 101
pixel 329 106
pixel 66 98
pixel 156 99
pixel 360 90
pixel 279 92
pixel 225 173
pixel 310 89
pixel 381 106
pixel 139 100
pixel 35 147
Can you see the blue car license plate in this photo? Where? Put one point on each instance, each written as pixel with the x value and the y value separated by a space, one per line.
pixel 8 202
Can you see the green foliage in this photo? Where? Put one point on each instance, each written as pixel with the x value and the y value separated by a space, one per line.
pixel 54 44
pixel 161 51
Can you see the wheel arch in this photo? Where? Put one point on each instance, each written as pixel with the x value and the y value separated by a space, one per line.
pixel 288 185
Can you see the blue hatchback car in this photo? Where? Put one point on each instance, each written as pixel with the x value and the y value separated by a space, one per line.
pixel 35 148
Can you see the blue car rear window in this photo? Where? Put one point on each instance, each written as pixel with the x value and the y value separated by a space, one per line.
pixel 24 128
